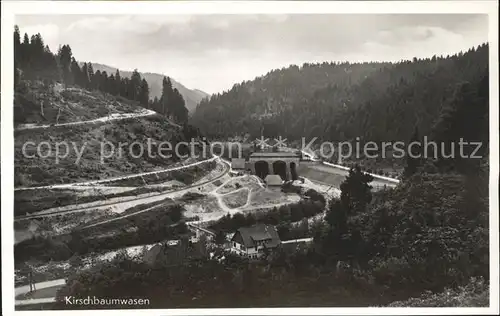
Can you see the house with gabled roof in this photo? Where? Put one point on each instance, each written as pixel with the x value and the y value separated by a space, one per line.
pixel 252 241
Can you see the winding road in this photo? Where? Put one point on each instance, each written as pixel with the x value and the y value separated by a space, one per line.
pixel 56 284
pixel 97 182
pixel 111 117
pixel 93 205
pixel 313 157
pixel 149 198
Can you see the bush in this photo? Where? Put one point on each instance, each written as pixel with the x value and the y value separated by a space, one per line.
pixel 392 271
pixel 150 229
pixel 474 294
pixel 286 213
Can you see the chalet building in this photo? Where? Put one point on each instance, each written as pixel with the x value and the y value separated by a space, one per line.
pixel 251 241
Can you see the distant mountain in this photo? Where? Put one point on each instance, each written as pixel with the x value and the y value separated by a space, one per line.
pixel 191 97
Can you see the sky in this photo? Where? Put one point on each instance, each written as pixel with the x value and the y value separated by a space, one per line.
pixel 213 52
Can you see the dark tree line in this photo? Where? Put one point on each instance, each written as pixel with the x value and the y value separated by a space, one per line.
pixel 33 60
pixel 463 118
pixel 285 214
pixel 341 101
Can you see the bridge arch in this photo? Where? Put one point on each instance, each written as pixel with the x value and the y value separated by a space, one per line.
pixel 261 169
pixel 279 168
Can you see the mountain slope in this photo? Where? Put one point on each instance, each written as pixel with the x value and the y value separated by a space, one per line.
pixel 342 101
pixel 96 150
pixel 262 102
pixel 36 103
pixel 191 97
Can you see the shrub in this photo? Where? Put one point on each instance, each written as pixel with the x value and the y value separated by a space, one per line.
pixel 474 294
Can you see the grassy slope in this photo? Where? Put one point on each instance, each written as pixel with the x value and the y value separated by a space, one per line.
pixel 71 104
pixel 91 138
pixel 84 105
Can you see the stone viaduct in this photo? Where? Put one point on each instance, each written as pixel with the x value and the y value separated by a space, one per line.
pixel 284 164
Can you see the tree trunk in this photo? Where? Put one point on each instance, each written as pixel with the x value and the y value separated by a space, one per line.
pixel 58 114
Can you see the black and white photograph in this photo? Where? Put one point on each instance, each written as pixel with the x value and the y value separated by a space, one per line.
pixel 221 156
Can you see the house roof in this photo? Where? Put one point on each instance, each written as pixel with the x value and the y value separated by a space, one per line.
pixel 259 232
pixel 153 253
pixel 273 179
pixel 283 154
pixel 171 250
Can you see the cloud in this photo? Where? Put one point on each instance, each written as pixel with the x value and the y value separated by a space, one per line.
pixel 50 34
pixel 120 24
pixel 212 52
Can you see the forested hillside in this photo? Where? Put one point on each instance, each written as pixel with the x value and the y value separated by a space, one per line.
pixel 33 61
pixel 342 101
pixel 52 91
pixel 428 234
pixel 192 97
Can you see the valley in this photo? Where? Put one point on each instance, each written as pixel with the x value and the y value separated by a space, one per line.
pixel 127 183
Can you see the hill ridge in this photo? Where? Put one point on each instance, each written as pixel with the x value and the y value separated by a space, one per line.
pixel 191 96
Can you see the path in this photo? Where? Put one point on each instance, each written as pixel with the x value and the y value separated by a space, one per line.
pixel 111 117
pixel 152 197
pixel 292 241
pixel 311 155
pixel 219 196
pixel 128 215
pixel 94 182
pixel 195 227
pixel 376 176
pixel 40 285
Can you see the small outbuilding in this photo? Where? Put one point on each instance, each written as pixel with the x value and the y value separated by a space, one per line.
pixel 273 180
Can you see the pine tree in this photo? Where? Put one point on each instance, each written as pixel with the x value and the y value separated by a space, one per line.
pixel 333 241
pixel 125 86
pixel 413 159
pixel 166 96
pixel 17 51
pixel 144 93
pixel 17 41
pixel 356 191
pixel 26 39
pixel 118 83
pixel 65 58
pixel 220 237
pixel 35 54
pixel 97 81
pixel 112 84
pixel 76 72
pixel 51 69
pixel 85 80
pixel 135 85
pixel 180 112
pixel 105 82
pixel 90 72
pixel 156 106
